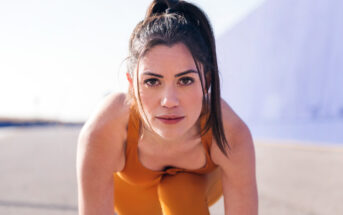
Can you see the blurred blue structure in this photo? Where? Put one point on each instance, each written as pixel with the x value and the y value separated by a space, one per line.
pixel 282 69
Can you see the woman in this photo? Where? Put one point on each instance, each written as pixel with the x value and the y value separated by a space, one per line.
pixel 162 148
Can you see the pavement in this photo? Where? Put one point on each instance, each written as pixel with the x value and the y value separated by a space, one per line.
pixel 37 174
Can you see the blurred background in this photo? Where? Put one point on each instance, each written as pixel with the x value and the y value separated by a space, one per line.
pixel 281 68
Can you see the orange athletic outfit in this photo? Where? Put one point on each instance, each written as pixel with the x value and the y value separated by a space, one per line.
pixel 174 191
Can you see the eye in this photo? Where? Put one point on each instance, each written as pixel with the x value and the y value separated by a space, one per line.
pixel 152 82
pixel 185 81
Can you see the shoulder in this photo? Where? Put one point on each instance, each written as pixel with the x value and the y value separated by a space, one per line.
pixel 239 138
pixel 104 133
pixel 234 126
pixel 110 113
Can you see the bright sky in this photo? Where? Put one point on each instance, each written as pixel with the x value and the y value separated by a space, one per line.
pixel 59 58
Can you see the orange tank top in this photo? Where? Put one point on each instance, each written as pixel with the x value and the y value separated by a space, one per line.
pixel 136 174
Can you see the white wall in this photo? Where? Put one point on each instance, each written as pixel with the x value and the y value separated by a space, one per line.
pixel 284 62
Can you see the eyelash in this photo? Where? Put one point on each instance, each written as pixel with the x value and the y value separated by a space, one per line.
pixel 146 82
pixel 188 79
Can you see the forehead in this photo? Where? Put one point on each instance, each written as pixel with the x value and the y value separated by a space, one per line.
pixel 165 59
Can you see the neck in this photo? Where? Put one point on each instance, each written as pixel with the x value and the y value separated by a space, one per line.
pixel 153 137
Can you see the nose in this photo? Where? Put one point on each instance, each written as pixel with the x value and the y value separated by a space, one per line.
pixel 169 98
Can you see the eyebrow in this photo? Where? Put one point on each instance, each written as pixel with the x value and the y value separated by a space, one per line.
pixel 177 75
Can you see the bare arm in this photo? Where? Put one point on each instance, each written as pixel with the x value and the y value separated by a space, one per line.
pixel 238 169
pixel 99 155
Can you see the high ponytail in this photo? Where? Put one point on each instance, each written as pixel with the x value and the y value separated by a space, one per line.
pixel 168 22
pixel 160 6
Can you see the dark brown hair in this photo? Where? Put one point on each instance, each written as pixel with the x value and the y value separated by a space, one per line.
pixel 168 22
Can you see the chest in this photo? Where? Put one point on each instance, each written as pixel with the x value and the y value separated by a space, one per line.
pixel 192 156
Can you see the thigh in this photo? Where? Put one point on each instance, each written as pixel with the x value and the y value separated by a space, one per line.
pixel 188 193
pixel 135 200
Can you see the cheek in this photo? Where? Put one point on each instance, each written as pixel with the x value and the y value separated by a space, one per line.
pixel 193 99
pixel 148 100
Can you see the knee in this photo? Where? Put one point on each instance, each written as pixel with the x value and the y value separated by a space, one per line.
pixel 182 187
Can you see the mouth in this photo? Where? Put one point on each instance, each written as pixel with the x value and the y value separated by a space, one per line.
pixel 170 119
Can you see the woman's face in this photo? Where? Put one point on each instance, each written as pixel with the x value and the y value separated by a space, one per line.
pixel 170 91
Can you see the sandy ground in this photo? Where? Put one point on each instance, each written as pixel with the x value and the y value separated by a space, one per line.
pixel 37 175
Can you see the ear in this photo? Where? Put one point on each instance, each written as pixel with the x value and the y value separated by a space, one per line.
pixel 129 78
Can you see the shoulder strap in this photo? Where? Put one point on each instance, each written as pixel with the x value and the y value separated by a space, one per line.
pixel 207 137
pixel 132 128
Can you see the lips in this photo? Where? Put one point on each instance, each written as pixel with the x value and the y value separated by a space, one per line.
pixel 170 119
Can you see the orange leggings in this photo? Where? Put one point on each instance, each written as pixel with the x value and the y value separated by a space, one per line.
pixel 183 193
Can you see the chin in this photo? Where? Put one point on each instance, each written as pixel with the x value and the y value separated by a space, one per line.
pixel 169 135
